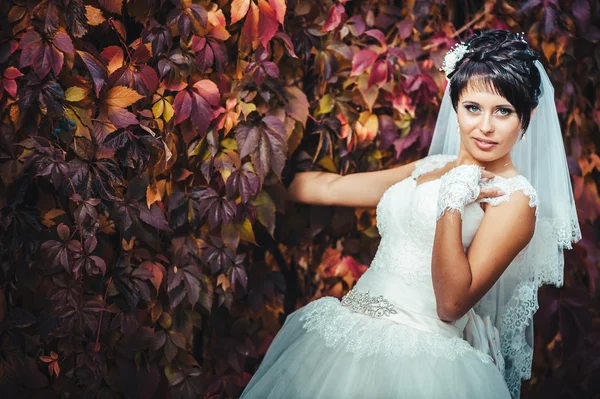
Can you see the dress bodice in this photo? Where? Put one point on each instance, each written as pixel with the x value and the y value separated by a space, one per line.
pixel 401 269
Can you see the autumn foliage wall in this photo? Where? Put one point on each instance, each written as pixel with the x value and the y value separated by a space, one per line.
pixel 146 247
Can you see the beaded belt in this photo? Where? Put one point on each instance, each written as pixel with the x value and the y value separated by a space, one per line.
pixel 364 303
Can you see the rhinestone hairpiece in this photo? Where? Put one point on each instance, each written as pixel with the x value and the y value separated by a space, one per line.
pixel 453 57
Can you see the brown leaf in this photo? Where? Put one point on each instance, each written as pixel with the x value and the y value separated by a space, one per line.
pixel 94 15
pixel 50 215
pixel 114 6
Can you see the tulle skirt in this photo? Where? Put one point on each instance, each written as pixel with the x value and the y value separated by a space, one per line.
pixel 325 350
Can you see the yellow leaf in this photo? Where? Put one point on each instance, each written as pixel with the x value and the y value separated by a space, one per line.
pixel 168 113
pixel 74 94
pixel 94 15
pixel 246 108
pixel 325 105
pixel 122 96
pixel 265 211
pixel 246 231
pixel 158 108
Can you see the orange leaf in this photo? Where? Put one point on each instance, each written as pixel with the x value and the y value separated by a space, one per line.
pixel 94 15
pixel 153 193
pixel 115 57
pixel 239 9
pixel 122 96
pixel 50 215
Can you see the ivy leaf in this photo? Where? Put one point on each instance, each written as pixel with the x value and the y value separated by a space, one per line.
pixel 114 6
pixel 265 211
pixel 362 60
pixel 245 181
pixel 197 103
pixel 266 143
pixel 75 14
pixel 96 68
pixel 219 209
pixel 58 251
pixel 114 103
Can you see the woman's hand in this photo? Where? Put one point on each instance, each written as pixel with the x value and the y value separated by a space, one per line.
pixel 461 186
pixel 488 192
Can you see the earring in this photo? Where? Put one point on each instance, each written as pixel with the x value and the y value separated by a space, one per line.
pixel 457 127
pixel 523 137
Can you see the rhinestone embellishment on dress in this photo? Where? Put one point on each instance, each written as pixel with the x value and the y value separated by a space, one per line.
pixel 364 303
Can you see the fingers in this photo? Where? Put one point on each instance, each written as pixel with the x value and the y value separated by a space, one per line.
pixel 490 193
pixel 487 175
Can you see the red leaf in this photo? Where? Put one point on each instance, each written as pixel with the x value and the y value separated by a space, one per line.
pixel 268 24
pixel 149 77
pixel 30 37
pixel 182 106
pixel 377 34
pixel 63 42
pixel 405 27
pixel 56 59
pixel 250 29
pixel 11 87
pixel 209 90
pixel 247 138
pixel 362 60
pixel 120 117
pixel 279 7
pixel 12 73
pixel 379 73
pixel 334 17
pixel 43 61
pixel 63 232
pixel 114 56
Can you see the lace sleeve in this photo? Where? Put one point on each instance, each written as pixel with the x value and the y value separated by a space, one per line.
pixel 509 186
pixel 431 163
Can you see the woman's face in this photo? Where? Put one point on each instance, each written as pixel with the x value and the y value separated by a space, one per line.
pixel 489 125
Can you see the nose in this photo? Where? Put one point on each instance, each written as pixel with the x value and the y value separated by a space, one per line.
pixel 486 124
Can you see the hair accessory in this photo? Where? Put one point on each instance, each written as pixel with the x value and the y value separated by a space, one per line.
pixel 453 57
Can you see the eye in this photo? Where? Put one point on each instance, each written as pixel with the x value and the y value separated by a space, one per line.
pixel 505 111
pixel 471 108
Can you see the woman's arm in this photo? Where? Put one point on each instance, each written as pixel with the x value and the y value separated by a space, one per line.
pixel 356 190
pixel 460 280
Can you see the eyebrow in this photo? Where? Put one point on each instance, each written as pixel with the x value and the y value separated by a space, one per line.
pixel 497 106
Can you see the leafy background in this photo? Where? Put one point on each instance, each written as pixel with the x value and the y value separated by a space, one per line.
pixel 146 246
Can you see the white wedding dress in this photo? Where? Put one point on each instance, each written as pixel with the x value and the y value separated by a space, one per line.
pixel 384 338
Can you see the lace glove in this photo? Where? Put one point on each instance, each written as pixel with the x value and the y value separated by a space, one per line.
pixel 458 188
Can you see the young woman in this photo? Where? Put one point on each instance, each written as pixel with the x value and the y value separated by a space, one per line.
pixel 468 234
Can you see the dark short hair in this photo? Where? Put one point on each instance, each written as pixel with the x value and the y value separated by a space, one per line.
pixel 501 62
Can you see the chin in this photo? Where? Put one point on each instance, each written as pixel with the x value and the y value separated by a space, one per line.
pixel 485 156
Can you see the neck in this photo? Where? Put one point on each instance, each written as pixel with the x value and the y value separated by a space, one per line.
pixel 496 166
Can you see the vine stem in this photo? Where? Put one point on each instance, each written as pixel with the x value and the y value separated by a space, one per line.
pixel 476 18
pixel 102 314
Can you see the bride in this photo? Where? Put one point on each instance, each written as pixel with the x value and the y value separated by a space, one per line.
pixel 468 234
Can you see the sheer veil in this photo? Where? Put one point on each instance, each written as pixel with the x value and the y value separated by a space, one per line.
pixel 540 157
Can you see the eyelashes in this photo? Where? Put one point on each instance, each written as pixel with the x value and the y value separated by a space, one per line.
pixel 502 111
